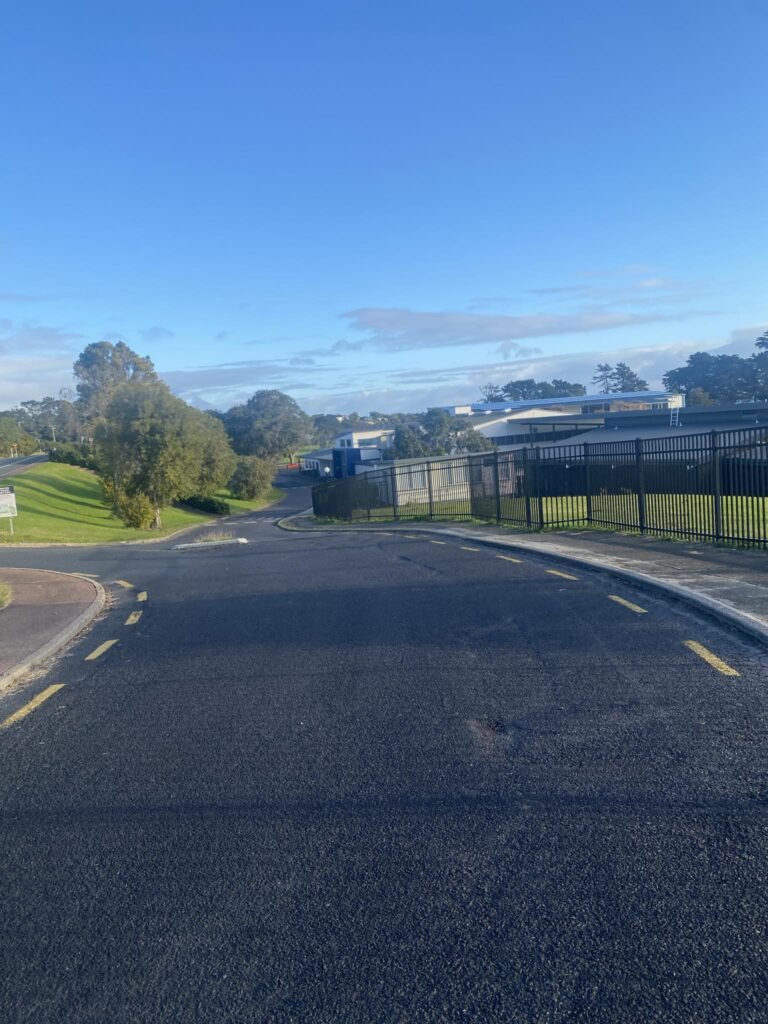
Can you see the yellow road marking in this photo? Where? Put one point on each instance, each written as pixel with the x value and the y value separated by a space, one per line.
pixel 34 703
pixel 142 596
pixel 124 583
pixel 133 618
pixel 627 604
pixel 710 658
pixel 509 558
pixel 100 650
pixel 564 575
pixel 465 548
pixel 438 542
pixel 412 536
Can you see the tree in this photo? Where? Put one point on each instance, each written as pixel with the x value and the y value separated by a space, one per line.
pixel 436 425
pixel 491 393
pixel 762 341
pixel 467 439
pixel 11 434
pixel 152 447
pixel 565 388
pixel 252 477
pixel 408 443
pixel 529 389
pixel 101 367
pixel 726 378
pixel 269 424
pixel 625 379
pixel 603 377
pixel 521 390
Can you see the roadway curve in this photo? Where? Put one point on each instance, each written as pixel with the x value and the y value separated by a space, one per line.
pixel 352 777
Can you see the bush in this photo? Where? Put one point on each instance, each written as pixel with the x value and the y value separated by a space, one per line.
pixel 73 455
pixel 252 478
pixel 135 510
pixel 215 506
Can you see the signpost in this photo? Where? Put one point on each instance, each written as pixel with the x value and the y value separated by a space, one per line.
pixel 8 505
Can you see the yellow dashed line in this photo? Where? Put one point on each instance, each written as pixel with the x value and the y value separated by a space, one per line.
pixel 124 583
pixel 34 703
pixel 133 618
pixel 627 604
pixel 710 658
pixel 465 548
pixel 100 650
pixel 142 596
pixel 563 575
pixel 509 558
pixel 438 542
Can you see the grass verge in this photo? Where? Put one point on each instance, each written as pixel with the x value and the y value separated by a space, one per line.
pixel 238 505
pixel 60 504
pixel 5 595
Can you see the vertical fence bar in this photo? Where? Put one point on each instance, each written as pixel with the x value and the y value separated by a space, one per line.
pixel 393 481
pixel 717 487
pixel 497 486
pixel 527 488
pixel 430 495
pixel 640 484
pixel 587 481
pixel 539 497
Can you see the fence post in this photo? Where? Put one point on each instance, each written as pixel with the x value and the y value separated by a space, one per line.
pixel 496 485
pixel 539 498
pixel 640 484
pixel 527 488
pixel 717 486
pixel 429 491
pixel 393 481
pixel 587 480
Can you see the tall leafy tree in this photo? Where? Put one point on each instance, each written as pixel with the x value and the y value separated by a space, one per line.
pixel 625 379
pixel 154 449
pixel 408 443
pixel 603 377
pixel 101 367
pixel 269 425
pixel 726 378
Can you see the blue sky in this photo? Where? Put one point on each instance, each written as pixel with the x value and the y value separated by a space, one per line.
pixel 380 205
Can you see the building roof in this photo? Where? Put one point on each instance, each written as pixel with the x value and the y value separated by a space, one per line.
pixel 319 453
pixel 530 403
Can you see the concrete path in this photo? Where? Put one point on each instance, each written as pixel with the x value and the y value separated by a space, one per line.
pixel 46 610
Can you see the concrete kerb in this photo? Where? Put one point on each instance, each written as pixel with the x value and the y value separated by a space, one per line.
pixel 709 606
pixel 54 645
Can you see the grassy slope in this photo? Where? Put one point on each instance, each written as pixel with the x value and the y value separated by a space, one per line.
pixel 60 504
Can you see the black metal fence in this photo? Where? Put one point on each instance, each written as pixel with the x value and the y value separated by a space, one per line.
pixel 711 486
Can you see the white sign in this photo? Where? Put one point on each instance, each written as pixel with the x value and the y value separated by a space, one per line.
pixel 7 503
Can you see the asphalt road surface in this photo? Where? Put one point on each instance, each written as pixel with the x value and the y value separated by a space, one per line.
pixel 358 778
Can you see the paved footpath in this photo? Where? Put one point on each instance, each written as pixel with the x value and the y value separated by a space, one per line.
pixel 46 609
pixel 730 583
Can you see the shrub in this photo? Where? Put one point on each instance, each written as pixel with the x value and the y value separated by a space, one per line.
pixel 135 510
pixel 213 505
pixel 73 455
pixel 252 477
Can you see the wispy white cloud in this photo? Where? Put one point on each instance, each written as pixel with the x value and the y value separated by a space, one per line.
pixel 399 330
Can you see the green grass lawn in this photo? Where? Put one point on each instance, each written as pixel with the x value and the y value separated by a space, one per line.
pixel 238 505
pixel 742 517
pixel 60 504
